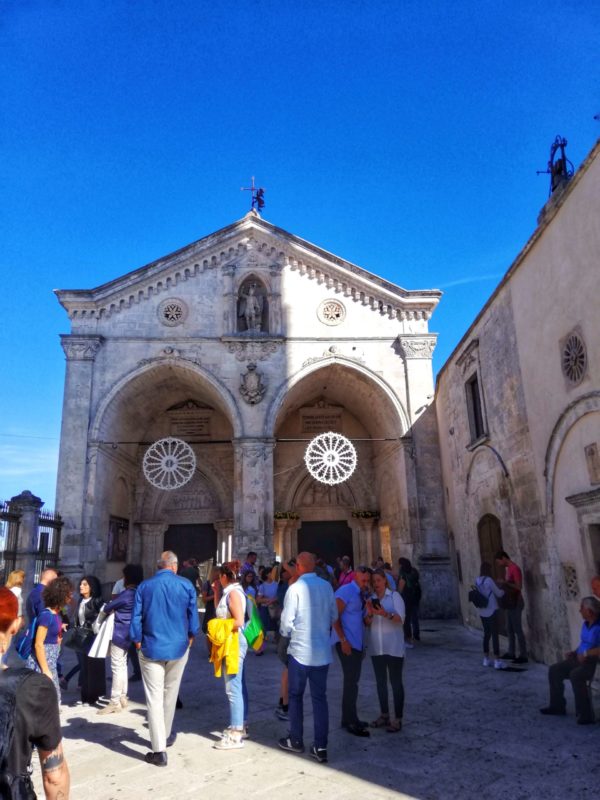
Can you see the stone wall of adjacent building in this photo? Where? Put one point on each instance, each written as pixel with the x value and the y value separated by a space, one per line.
pixel 532 468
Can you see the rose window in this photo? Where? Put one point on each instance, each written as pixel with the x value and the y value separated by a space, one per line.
pixel 574 358
pixel 331 312
pixel 169 463
pixel 172 312
pixel 330 458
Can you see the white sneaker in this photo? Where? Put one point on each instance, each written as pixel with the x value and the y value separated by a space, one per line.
pixel 486 662
pixel 498 664
pixel 231 741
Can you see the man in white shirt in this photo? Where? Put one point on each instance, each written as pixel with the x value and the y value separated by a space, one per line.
pixel 308 614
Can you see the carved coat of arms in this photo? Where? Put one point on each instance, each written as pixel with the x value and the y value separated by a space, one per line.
pixel 252 388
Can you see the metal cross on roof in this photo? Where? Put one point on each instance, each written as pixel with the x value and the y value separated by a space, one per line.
pixel 258 195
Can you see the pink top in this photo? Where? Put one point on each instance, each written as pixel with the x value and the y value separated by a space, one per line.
pixel 346 577
pixel 514 575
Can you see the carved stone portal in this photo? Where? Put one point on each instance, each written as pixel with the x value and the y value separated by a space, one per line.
pixel 252 388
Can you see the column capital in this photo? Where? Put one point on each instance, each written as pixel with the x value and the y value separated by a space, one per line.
pixel 416 346
pixel 80 348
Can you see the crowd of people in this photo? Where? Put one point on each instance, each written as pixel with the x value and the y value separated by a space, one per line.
pixel 311 608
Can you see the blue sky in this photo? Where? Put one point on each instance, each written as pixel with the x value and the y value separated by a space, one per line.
pixel 403 136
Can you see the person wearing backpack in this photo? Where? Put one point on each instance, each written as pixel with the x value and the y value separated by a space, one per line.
pixel 28 717
pixel 487 586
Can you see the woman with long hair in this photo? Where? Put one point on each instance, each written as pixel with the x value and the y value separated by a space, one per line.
pixel 489 615
pixel 48 633
pixel 93 678
pixel 122 608
pixel 385 618
pixel 232 605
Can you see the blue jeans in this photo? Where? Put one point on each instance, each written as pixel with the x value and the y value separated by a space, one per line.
pixel 234 687
pixel 298 674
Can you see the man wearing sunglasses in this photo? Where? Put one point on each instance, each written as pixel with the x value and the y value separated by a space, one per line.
pixel 348 636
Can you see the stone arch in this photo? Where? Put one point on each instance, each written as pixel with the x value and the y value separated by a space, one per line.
pixel 297 489
pixel 278 400
pixel 217 392
pixel 587 404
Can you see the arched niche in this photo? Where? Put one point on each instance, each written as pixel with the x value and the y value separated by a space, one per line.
pixel 252 306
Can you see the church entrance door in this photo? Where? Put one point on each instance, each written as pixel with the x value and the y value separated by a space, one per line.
pixel 328 539
pixel 192 541
pixel 490 541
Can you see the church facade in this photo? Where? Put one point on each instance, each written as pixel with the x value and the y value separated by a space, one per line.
pixel 245 345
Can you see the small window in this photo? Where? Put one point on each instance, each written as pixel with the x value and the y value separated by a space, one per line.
pixel 475 408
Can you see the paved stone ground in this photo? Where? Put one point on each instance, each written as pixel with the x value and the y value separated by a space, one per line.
pixel 469 732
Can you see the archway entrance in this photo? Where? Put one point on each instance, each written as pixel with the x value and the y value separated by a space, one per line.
pixel 340 519
pixel 329 539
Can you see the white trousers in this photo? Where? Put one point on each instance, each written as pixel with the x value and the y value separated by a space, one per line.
pixel 161 681
pixel 118 666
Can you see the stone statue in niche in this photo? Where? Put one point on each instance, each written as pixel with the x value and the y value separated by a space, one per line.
pixel 251 307
pixel 252 388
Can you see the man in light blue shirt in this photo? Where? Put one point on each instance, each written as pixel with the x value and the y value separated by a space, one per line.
pixel 347 635
pixel 308 613
pixel 163 626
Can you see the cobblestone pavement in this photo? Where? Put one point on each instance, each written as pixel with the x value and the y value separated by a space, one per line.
pixel 469 732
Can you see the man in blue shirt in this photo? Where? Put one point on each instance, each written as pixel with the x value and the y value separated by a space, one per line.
pixel 579 667
pixel 163 626
pixel 309 611
pixel 347 635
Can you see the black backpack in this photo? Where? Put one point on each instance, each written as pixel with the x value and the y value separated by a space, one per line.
pixel 12 787
pixel 478 599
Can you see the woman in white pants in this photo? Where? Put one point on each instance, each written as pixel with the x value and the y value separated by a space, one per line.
pixel 121 607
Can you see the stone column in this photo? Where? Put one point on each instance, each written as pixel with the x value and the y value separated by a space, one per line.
pixel 153 534
pixel 28 506
pixel 224 528
pixel 229 301
pixel 362 540
pixel 253 497
pixel 80 352
pixel 274 298
pixel 286 538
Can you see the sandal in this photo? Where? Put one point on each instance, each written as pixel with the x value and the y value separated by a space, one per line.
pixel 394 726
pixel 380 722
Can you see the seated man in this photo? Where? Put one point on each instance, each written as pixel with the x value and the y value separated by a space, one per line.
pixel 579 667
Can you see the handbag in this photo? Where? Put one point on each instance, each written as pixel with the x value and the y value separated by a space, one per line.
pixel 79 639
pixel 99 648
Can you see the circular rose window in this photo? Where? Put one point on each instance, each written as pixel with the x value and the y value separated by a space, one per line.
pixel 330 458
pixel 574 358
pixel 331 312
pixel 169 463
pixel 172 312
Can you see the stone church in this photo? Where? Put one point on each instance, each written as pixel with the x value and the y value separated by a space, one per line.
pixel 245 345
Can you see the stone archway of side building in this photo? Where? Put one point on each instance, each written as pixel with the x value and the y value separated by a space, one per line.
pixel 192 541
pixel 329 539
pixel 489 532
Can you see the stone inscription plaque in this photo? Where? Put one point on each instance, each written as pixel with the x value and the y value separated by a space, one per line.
pixel 192 425
pixel 321 420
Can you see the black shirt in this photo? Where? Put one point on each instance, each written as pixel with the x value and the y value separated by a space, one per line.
pixel 37 721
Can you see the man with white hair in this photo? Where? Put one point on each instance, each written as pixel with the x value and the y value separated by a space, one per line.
pixel 578 666
pixel 163 626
